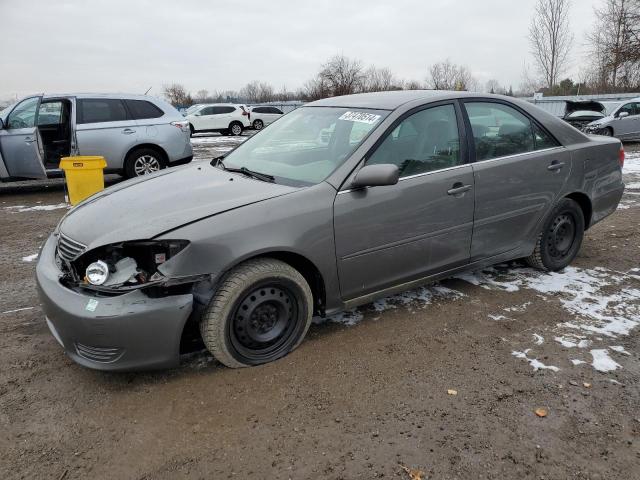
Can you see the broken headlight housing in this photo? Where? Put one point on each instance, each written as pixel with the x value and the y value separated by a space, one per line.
pixel 124 266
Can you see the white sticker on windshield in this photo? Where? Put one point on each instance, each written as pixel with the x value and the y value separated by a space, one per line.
pixel 361 117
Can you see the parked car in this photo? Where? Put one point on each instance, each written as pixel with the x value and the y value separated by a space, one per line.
pixel 623 122
pixel 261 116
pixel 580 113
pixel 136 134
pixel 225 118
pixel 412 187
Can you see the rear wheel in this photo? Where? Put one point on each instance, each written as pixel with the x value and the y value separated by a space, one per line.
pixel 258 124
pixel 192 130
pixel 260 312
pixel 560 239
pixel 143 161
pixel 235 128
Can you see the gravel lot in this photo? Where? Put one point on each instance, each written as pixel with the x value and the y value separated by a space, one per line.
pixel 370 390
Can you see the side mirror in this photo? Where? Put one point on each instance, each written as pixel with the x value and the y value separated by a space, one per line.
pixel 376 176
pixel 623 114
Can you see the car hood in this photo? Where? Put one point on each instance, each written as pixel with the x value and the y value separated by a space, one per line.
pixel 146 207
pixel 587 105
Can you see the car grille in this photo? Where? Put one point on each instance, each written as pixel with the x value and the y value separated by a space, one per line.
pixel 99 354
pixel 68 249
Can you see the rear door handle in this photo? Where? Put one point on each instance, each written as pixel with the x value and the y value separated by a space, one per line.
pixel 29 140
pixel 555 165
pixel 458 189
pixel 128 131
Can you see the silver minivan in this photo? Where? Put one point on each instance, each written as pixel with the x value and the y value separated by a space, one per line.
pixel 623 122
pixel 136 134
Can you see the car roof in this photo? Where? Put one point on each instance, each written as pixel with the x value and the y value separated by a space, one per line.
pixel 393 99
pixel 131 96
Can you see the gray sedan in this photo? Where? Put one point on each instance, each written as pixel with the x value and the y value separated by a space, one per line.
pixel 340 202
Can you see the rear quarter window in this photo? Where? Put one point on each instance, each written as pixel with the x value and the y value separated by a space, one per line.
pixel 142 109
pixel 99 110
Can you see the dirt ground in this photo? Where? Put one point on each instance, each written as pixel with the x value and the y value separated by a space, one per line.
pixel 367 392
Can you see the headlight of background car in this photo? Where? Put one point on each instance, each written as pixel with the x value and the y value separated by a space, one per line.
pixel 126 265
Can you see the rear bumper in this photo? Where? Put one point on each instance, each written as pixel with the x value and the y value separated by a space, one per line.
pixel 126 332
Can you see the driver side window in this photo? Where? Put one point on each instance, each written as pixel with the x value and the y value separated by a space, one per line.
pixel 426 141
pixel 24 115
pixel 631 109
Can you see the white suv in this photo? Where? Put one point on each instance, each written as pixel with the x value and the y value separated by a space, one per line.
pixel 226 118
pixel 261 116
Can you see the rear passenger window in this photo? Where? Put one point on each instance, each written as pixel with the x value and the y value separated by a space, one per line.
pixel 141 109
pixel 259 110
pixel 277 111
pixel 226 109
pixel 426 141
pixel 499 130
pixel 100 110
pixel 543 139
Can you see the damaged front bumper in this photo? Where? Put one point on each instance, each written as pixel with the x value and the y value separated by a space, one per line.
pixel 131 331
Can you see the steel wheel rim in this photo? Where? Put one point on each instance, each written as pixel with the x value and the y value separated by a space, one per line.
pixel 264 322
pixel 561 235
pixel 146 164
pixel 236 129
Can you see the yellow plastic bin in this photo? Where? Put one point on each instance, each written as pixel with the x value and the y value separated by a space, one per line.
pixel 84 176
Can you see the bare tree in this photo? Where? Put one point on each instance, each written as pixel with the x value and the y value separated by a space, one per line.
pixel 550 39
pixel 342 75
pixel 493 86
pixel 379 80
pixel 202 96
pixel 412 85
pixel 615 46
pixel 177 95
pixel 446 75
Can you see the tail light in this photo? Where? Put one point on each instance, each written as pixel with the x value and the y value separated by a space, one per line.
pixel 182 125
pixel 621 156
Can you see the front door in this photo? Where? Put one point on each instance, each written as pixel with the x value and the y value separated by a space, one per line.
pixel 627 126
pixel 519 171
pixel 389 235
pixel 20 141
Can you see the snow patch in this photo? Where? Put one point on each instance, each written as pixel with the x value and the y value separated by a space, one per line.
pixel 602 361
pixel 36 208
pixel 30 258
pixel 536 364
pixel 619 349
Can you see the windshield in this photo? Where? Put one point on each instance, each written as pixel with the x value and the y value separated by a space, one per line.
pixel 305 146
pixel 192 109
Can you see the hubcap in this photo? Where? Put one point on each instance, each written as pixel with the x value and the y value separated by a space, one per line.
pixel 236 129
pixel 145 165
pixel 258 125
pixel 561 235
pixel 264 320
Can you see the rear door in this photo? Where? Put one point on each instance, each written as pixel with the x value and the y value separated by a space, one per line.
pixel 519 170
pixel 104 127
pixel 393 234
pixel 20 141
pixel 272 115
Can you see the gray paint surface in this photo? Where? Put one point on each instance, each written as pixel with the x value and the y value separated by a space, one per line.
pixel 365 243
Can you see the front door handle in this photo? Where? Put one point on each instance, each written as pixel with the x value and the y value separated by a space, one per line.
pixel 458 189
pixel 29 140
pixel 555 165
pixel 128 131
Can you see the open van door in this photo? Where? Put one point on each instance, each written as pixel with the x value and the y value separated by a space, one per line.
pixel 20 140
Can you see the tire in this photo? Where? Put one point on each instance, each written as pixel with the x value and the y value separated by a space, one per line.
pixel 192 130
pixel 258 124
pixel 279 307
pixel 143 161
pixel 560 239
pixel 607 132
pixel 224 132
pixel 235 128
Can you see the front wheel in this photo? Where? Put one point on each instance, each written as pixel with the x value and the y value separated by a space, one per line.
pixel 260 312
pixel 607 132
pixel 258 124
pixel 560 239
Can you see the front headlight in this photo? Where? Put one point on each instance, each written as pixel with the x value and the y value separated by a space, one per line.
pixel 127 265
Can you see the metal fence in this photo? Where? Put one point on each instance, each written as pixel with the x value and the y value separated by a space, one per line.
pixel 556 105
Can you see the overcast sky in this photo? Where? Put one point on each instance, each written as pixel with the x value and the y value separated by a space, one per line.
pixel 129 46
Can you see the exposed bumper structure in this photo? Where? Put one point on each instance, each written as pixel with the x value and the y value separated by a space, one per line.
pixel 116 333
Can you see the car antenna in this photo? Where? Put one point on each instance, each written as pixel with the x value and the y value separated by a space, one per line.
pixel 148 90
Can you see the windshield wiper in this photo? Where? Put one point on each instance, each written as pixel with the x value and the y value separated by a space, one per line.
pixel 218 162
